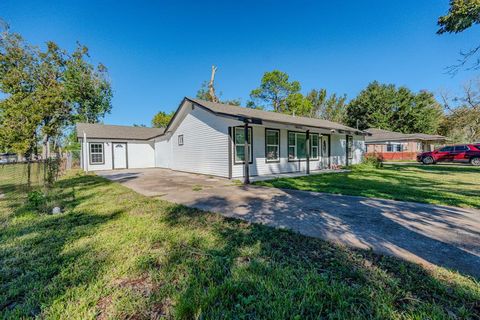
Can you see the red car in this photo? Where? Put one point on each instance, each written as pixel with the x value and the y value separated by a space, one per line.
pixel 458 153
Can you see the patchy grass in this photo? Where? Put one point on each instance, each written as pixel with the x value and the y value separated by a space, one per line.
pixel 117 254
pixel 445 185
pixel 197 187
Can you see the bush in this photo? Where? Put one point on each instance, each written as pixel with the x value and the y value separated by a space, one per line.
pixel 37 200
pixel 373 160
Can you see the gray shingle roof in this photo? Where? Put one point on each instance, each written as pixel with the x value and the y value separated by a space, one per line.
pixel 379 135
pixel 231 110
pixel 96 130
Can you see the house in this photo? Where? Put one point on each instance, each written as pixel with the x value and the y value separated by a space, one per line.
pixel 209 138
pixel 400 146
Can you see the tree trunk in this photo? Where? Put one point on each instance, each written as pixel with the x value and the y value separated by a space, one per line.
pixel 211 88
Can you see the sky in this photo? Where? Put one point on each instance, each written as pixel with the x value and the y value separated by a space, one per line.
pixel 158 52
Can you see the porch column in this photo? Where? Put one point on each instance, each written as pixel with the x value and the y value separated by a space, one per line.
pixel 307 147
pixel 246 170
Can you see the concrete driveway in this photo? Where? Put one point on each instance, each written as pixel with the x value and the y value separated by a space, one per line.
pixel 421 233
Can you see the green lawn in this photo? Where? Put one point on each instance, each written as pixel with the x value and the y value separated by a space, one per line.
pixel 117 254
pixel 439 184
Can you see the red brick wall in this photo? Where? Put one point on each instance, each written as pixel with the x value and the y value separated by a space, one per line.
pixel 386 156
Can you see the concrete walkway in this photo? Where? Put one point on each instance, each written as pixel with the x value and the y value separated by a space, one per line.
pixel 421 233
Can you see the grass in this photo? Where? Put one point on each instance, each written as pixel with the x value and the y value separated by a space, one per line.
pixel 445 185
pixel 116 254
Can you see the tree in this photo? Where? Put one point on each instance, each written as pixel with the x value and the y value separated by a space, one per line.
pixel 161 119
pixel 274 89
pixel 386 107
pixel 461 15
pixel 46 92
pixel 462 122
pixel 296 104
pixel 20 114
pixel 330 108
pixel 87 87
pixel 204 93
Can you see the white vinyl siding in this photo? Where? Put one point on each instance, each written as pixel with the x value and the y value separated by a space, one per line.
pixel 140 154
pixel 205 144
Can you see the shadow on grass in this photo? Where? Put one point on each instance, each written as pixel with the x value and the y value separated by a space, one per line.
pixel 255 271
pixel 392 182
pixel 37 249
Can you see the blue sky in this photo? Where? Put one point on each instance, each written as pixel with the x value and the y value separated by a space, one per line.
pixel 158 52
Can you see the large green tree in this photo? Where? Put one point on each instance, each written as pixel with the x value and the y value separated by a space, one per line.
pixel 326 107
pixel 462 14
pixel 385 106
pixel 45 92
pixel 462 121
pixel 274 89
pixel 161 119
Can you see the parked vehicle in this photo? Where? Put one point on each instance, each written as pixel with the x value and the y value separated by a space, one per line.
pixel 466 153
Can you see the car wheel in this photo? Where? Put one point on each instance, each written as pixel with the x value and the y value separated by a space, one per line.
pixel 475 161
pixel 428 160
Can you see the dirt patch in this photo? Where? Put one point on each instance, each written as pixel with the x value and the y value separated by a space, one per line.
pixel 103 305
pixel 142 285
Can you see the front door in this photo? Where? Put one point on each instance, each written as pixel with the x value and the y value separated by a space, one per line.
pixel 325 152
pixel 119 155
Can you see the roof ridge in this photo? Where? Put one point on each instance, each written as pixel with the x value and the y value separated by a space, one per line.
pixel 269 112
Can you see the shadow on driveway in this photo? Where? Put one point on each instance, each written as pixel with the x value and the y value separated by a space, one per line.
pixel 421 233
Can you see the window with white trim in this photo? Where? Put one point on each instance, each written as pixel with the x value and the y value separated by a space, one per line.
pixel 272 145
pixel 394 147
pixel 314 146
pixel 180 140
pixel 239 144
pixel 96 153
pixel 297 146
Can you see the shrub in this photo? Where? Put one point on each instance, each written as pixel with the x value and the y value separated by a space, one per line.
pixel 37 200
pixel 373 160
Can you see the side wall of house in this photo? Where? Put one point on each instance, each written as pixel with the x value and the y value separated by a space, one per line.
pixel 141 154
pixel 163 153
pixel 205 144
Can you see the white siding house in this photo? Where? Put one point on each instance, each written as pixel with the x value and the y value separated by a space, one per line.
pixel 208 138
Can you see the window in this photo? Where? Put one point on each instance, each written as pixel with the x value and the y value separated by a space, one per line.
pixel 419 146
pixel 239 140
pixel 461 148
pixel 96 153
pixel 314 146
pixel 394 147
pixel 297 146
pixel 446 149
pixel 272 145
pixel 349 147
pixel 180 140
